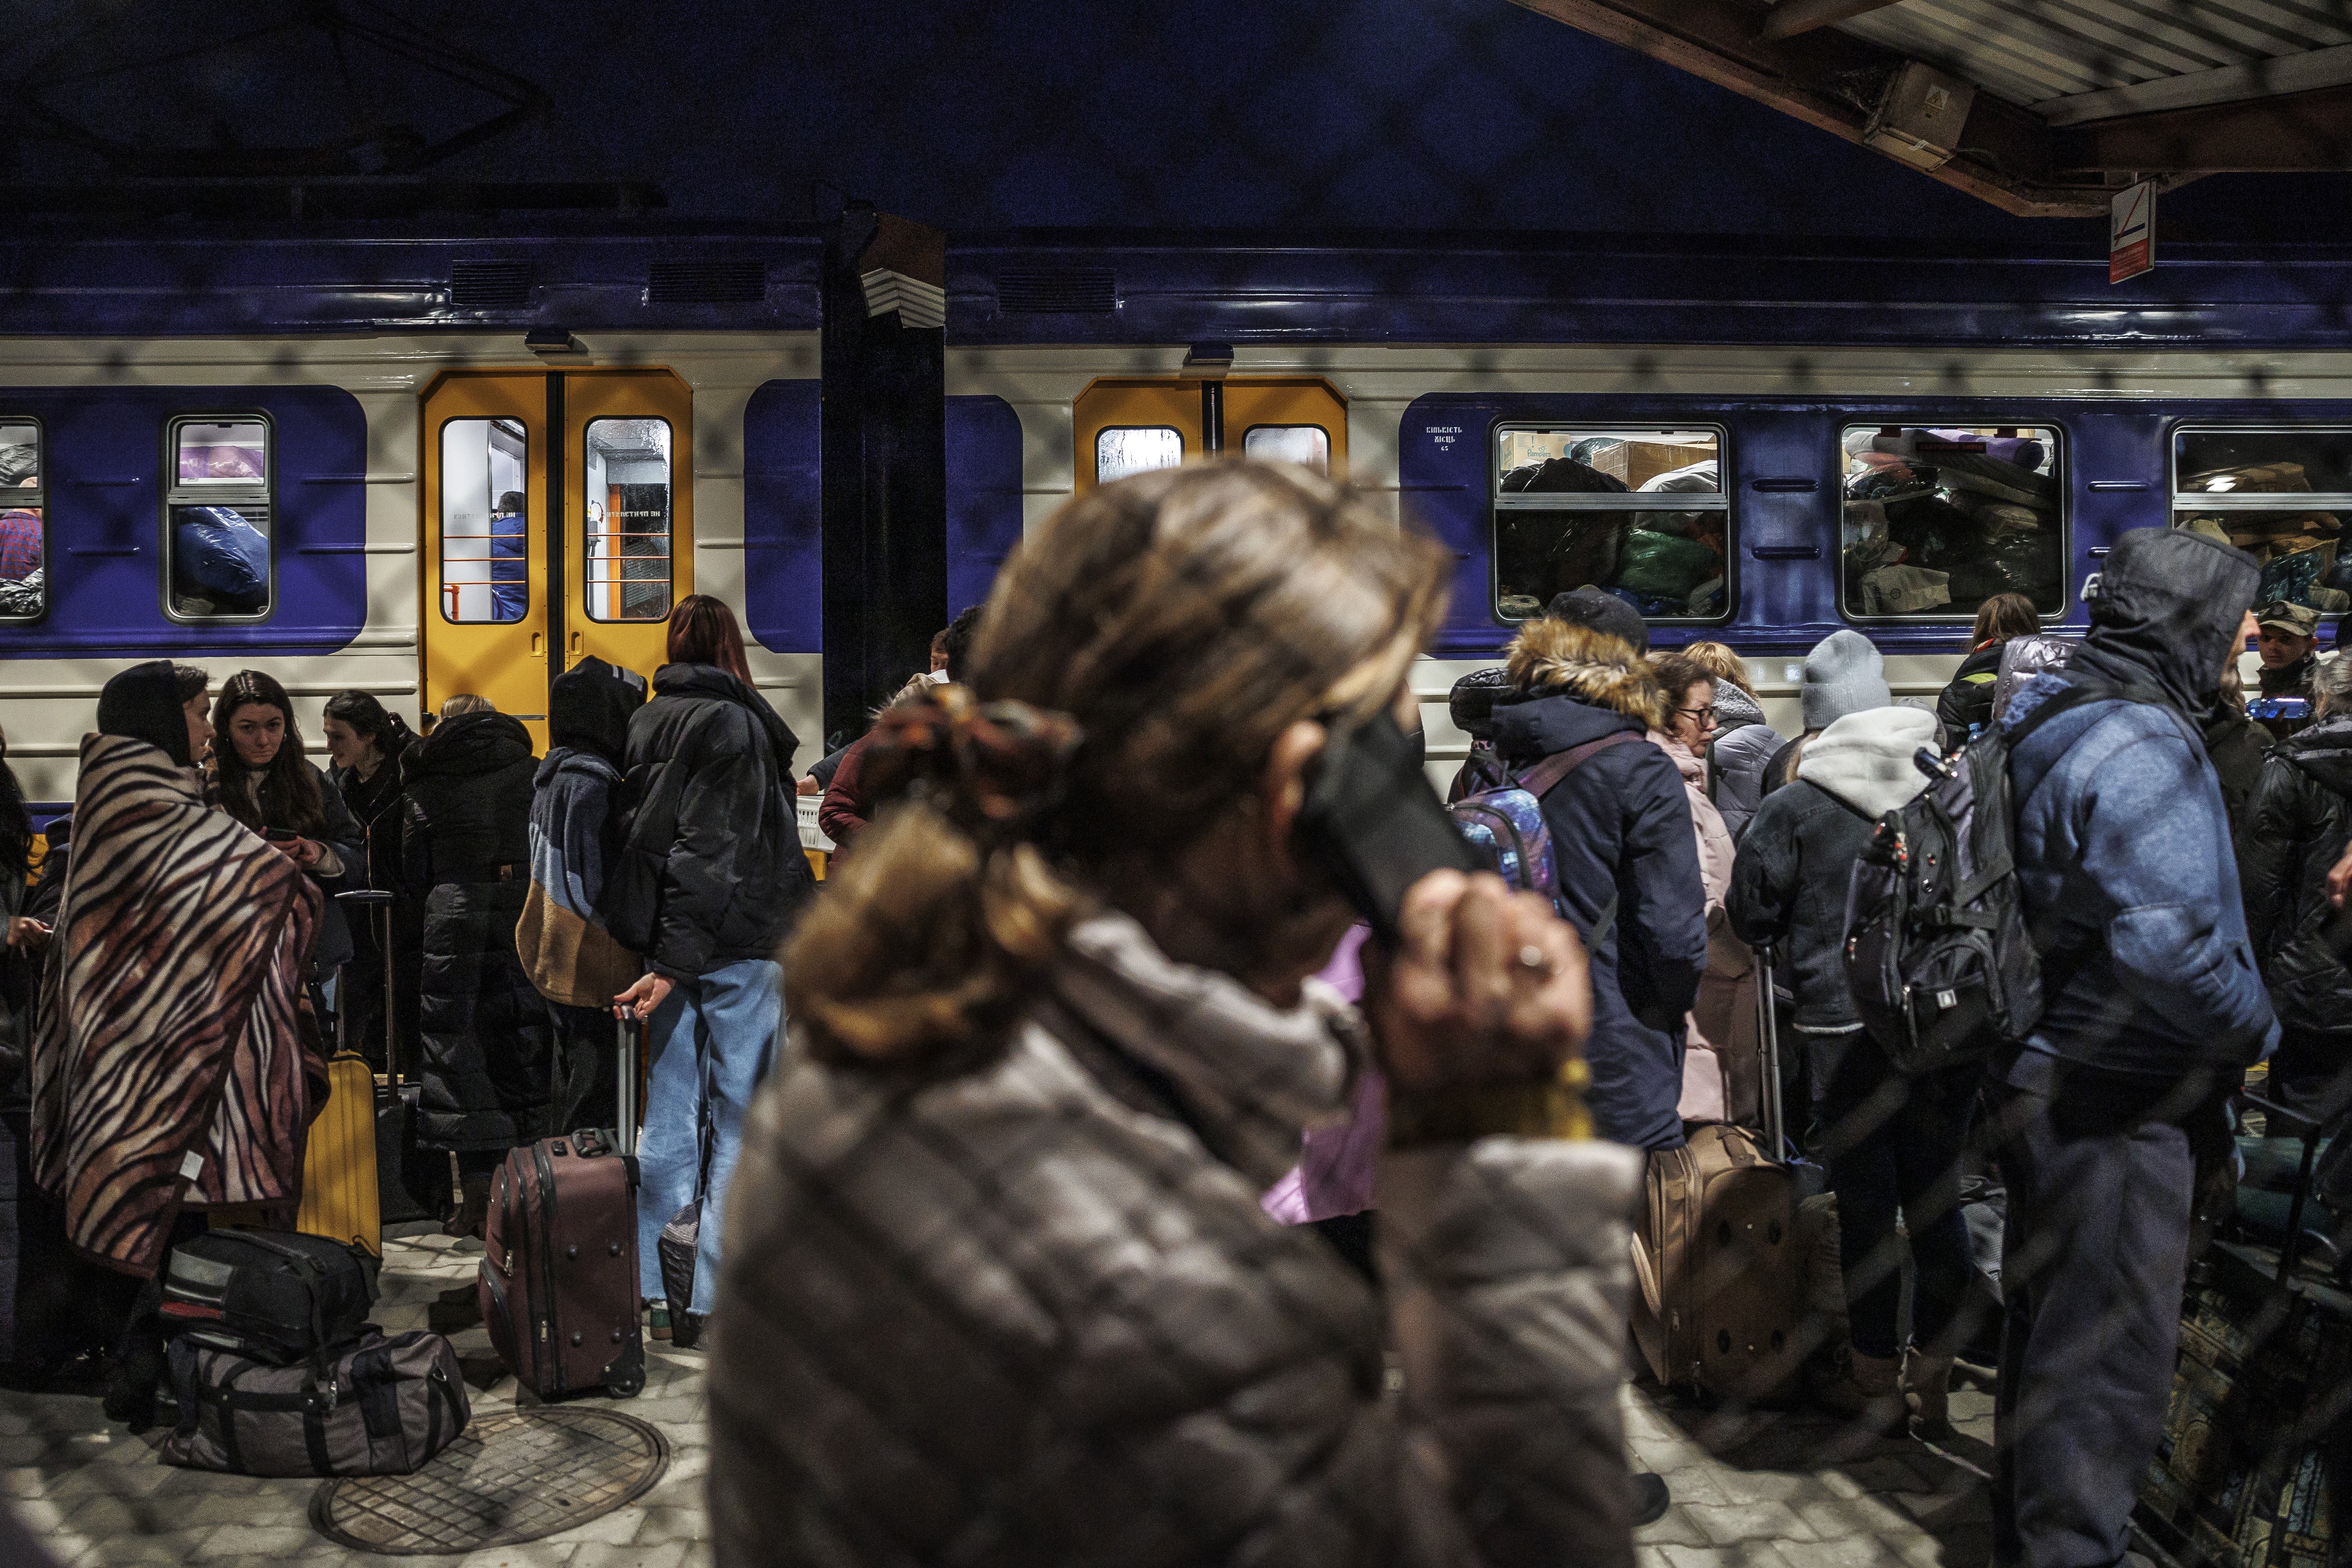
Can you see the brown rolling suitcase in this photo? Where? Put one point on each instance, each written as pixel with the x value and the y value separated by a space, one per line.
pixel 558 1273
pixel 1718 1269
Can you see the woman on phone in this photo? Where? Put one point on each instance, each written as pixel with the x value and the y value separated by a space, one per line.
pixel 264 779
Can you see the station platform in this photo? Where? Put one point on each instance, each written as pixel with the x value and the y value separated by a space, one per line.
pixel 1751 1489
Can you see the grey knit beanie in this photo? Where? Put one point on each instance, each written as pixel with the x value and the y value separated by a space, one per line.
pixel 1844 674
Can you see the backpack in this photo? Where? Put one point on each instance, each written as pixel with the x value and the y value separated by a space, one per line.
pixel 278 1297
pixel 1505 827
pixel 1937 955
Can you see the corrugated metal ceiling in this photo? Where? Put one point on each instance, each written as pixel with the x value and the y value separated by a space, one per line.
pixel 2054 55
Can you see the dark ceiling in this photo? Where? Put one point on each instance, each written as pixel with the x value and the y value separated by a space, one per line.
pixel 1345 114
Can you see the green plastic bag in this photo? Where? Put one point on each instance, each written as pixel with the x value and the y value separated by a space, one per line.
pixel 1661 564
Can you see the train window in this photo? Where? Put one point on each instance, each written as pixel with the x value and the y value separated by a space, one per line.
pixel 1309 445
pixel 1938 519
pixel 485 521
pixel 628 494
pixel 1640 513
pixel 217 511
pixel 2282 495
pixel 24 512
pixel 1135 449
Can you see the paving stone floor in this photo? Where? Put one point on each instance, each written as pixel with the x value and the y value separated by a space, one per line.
pixel 1751 1489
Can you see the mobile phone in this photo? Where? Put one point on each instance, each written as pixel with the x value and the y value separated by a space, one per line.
pixel 282 834
pixel 1372 824
pixel 2288 709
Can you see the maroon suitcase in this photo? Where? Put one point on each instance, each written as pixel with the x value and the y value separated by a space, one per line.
pixel 559 1271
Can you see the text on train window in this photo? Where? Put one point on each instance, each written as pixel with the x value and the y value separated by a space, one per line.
pixel 1940 518
pixel 1135 449
pixel 629 499
pixel 217 514
pixel 2281 495
pixel 1309 445
pixel 485 521
pixel 1639 513
pixel 24 513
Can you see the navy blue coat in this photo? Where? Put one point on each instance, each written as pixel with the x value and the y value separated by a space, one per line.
pixel 1620 831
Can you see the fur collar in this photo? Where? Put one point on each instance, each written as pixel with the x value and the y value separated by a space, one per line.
pixel 1554 658
pixel 1865 759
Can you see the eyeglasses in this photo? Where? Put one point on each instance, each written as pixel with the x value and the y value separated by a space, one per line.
pixel 1702 716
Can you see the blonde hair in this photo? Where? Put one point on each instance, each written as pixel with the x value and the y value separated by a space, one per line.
pixel 1720 661
pixel 1183 619
pixel 465 702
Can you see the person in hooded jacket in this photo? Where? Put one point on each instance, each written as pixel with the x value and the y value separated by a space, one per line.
pixel 466 855
pixel 2235 745
pixel 571 954
pixel 1892 1142
pixel 1471 705
pixel 2151 997
pixel 714 874
pixel 1743 744
pixel 1628 864
pixel 2299 821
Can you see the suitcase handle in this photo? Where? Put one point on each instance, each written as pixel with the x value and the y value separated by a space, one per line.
pixel 1645 1276
pixel 626 1034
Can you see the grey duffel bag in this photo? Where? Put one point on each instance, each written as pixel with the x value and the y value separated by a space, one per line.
pixel 381 1405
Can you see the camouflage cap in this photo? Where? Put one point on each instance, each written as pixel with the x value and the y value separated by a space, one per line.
pixel 2287 615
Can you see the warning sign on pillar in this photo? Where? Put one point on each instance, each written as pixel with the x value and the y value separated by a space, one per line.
pixel 2131 232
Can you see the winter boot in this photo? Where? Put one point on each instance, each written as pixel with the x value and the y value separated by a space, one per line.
pixel 473 1208
pixel 1866 1388
pixel 1927 1389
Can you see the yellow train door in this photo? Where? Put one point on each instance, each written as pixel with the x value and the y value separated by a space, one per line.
pixel 1130 424
pixel 558 523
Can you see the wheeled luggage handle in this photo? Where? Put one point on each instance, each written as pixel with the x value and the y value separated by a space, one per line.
pixel 1767 1040
pixel 626 1031
pixel 376 902
pixel 2313 1130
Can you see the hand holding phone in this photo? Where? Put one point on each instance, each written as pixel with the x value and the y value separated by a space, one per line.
pixel 1372 823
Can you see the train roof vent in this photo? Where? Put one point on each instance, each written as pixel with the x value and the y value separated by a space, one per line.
pixel 490 285
pixel 707 283
pixel 1076 291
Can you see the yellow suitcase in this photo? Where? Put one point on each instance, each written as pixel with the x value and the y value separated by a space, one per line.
pixel 339 1191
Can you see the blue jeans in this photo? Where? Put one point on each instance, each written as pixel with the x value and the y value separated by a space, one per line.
pixel 711 1043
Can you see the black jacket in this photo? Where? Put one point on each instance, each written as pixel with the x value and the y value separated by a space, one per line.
pixel 1966 705
pixel 466 855
pixel 713 871
pixel 2296 828
pixel 2236 746
pixel 1622 836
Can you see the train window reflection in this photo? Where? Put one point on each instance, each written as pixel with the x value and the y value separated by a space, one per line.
pixel 218 510
pixel 2280 495
pixel 1938 519
pixel 1135 449
pixel 1639 513
pixel 485 521
pixel 23 542
pixel 629 499
pixel 1309 445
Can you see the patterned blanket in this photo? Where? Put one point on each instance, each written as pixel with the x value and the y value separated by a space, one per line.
pixel 176 1060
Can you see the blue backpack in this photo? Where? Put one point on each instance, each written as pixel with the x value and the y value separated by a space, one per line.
pixel 1506 826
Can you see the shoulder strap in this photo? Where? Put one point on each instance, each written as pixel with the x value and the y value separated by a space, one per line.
pixel 1540 779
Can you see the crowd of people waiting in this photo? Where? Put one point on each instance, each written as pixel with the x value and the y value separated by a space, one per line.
pixel 1003 1275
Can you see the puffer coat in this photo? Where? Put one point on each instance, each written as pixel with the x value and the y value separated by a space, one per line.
pixel 1029 1312
pixel 1743 745
pixel 465 856
pixel 2296 827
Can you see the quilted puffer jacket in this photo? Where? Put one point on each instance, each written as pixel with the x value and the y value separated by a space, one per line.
pixel 1030 1312
pixel 2296 827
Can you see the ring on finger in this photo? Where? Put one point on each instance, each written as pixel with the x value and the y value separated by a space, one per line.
pixel 1534 957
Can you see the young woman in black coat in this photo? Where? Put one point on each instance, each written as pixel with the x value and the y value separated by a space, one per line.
pixel 366 742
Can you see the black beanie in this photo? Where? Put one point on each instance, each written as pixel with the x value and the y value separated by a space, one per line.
pixel 143 703
pixel 1471 703
pixel 1603 613
pixel 589 705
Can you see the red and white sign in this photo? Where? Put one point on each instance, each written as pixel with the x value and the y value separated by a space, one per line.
pixel 2131 232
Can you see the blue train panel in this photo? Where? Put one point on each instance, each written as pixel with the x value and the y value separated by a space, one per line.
pixel 104 450
pixel 1784 472
pixel 783 565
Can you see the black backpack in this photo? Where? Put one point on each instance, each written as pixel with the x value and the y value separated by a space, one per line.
pixel 276 1296
pixel 1937 955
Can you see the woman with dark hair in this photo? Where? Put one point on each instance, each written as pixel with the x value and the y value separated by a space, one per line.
pixel 1966 706
pixel 366 741
pixel 711 876
pixel 997 1242
pixel 264 780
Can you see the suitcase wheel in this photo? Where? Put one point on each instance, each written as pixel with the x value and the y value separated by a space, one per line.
pixel 629 1385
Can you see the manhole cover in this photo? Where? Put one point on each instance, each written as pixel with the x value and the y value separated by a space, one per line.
pixel 515 1475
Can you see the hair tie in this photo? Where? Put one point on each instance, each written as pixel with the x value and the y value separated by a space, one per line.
pixel 996 770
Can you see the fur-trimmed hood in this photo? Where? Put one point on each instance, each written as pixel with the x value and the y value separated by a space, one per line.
pixel 1554 658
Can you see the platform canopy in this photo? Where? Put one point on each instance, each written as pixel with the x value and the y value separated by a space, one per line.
pixel 2042 106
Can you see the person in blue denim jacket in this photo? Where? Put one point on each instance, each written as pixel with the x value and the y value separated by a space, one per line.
pixel 2152 1002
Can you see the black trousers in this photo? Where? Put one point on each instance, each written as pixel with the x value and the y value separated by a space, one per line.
pixel 2095 1256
